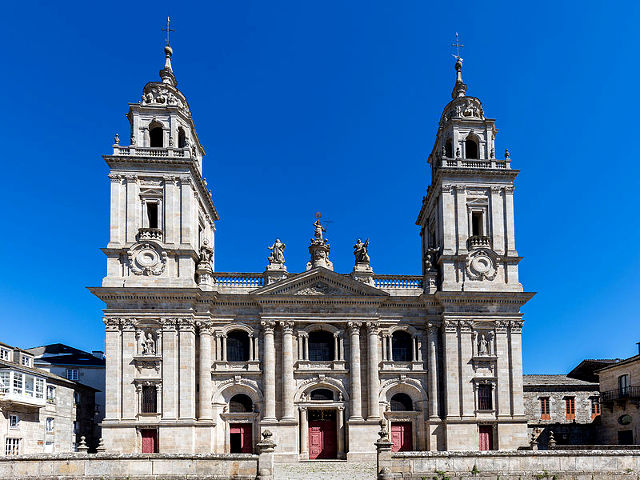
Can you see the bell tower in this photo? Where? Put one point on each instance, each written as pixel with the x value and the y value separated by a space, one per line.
pixel 162 214
pixel 467 219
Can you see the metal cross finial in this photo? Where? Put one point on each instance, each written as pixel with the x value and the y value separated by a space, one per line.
pixel 168 29
pixel 458 46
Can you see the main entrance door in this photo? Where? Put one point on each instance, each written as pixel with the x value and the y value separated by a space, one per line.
pixel 486 437
pixel 240 438
pixel 401 436
pixel 322 434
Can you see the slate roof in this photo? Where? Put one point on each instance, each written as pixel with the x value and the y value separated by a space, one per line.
pixel 556 381
pixel 586 369
pixel 60 354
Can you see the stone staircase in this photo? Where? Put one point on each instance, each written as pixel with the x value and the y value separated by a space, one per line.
pixel 325 470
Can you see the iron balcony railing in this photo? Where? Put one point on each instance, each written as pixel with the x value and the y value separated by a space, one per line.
pixel 621 394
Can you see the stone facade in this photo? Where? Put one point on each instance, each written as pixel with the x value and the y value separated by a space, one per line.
pixel 620 394
pixel 200 361
pixel 40 412
pixel 547 402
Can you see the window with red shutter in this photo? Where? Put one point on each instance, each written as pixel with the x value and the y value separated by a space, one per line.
pixel 545 408
pixel 570 406
pixel 595 407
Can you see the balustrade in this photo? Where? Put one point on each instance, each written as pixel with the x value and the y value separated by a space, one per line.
pixel 238 280
pixel 397 281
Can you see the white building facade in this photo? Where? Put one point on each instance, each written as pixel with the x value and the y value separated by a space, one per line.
pixel 203 361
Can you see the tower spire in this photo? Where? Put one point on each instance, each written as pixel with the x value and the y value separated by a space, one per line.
pixel 460 88
pixel 166 74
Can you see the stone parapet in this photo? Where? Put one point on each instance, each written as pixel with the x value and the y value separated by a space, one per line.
pixel 116 466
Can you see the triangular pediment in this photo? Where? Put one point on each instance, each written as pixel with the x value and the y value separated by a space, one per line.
pixel 320 282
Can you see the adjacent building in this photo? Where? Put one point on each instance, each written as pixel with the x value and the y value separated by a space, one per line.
pixel 620 397
pixel 79 366
pixel 40 412
pixel 568 407
pixel 202 361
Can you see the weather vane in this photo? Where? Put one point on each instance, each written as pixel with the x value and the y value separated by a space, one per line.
pixel 168 29
pixel 458 46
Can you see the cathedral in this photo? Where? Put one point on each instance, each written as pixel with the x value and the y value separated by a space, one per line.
pixel 201 361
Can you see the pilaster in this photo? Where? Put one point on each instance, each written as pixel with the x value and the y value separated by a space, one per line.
pixel 356 383
pixel 204 394
pixel 187 393
pixel 373 363
pixel 269 371
pixel 288 382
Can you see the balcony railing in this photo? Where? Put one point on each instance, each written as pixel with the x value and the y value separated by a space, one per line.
pixel 621 394
pixel 396 282
pixel 238 280
pixel 478 241
pixel 150 234
pixel 169 152
pixel 474 163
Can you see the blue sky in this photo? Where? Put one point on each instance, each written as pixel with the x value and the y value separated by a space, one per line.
pixel 328 106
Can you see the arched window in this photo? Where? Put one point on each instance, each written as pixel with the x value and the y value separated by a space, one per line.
pixel 237 346
pixel 401 402
pixel 156 135
pixel 240 403
pixel 321 394
pixel 448 148
pixel 401 347
pixel 321 346
pixel 471 148
pixel 182 138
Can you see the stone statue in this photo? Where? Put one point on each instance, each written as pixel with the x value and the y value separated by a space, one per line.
pixel 148 345
pixel 430 259
pixel 482 344
pixel 206 253
pixel 360 251
pixel 277 252
pixel 116 139
pixel 318 232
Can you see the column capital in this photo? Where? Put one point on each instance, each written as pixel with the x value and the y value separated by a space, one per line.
pixel 354 327
pixel 169 324
pixel 303 408
pixel 287 326
pixel 268 326
pixel 450 326
pixel 373 327
pixel 128 324
pixel 205 328
pixel 186 325
pixel 111 324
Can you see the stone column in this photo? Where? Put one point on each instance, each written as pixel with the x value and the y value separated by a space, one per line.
pixel 256 350
pixel 432 370
pixel 384 347
pixel 117 209
pixel 340 431
pixel 133 208
pixel 462 220
pixel 187 359
pixel 510 228
pixel 204 394
pixel 304 433
pixel 452 373
pixel 356 384
pixel 390 348
pixel 497 220
pixel 288 382
pixel 336 346
pixel 503 373
pixel 448 208
pixel 467 371
pixel 129 407
pixel 170 368
pixel 113 393
pixel 374 381
pixel 516 368
pixel 269 371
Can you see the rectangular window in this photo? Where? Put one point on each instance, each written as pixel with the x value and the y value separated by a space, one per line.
pixel 570 407
pixel 49 425
pixel 72 374
pixel 39 388
pixel 484 397
pixel 545 408
pixel 5 382
pixel 623 385
pixel 4 354
pixel 26 361
pixel 28 385
pixel 51 394
pixel 477 223
pixel 14 421
pixel 12 446
pixel 149 399
pixel 595 407
pixel 17 383
pixel 152 214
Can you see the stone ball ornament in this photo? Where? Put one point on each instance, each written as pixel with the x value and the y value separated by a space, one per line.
pixel 481 265
pixel 147 259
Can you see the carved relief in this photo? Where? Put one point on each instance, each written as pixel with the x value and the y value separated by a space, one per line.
pixel 161 94
pixel 481 264
pixel 147 259
pixel 319 289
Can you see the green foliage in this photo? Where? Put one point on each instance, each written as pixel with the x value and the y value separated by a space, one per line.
pixel 475 470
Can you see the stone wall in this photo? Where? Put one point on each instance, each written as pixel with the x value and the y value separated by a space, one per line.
pixel 523 465
pixel 110 466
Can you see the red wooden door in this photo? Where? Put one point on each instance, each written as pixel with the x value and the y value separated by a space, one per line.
pixel 486 437
pixel 322 439
pixel 241 438
pixel 401 436
pixel 149 440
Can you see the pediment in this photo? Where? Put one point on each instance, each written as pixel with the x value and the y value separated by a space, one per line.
pixel 320 282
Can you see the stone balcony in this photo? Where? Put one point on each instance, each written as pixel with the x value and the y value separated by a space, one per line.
pixel 154 152
pixel 490 163
pixel 17 398
pixel 150 234
pixel 478 241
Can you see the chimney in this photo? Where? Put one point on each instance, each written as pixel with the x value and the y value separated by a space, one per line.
pixel 98 354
